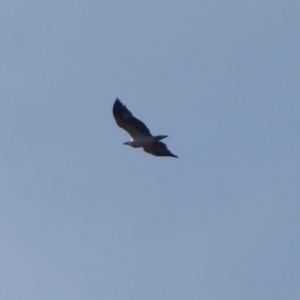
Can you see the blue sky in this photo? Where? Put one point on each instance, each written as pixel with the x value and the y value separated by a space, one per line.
pixel 84 217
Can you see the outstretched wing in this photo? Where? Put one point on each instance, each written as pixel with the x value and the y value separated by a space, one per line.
pixel 128 122
pixel 158 149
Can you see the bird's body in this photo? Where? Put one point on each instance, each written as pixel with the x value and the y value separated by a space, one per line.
pixel 139 132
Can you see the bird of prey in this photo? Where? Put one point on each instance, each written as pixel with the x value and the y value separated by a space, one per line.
pixel 139 132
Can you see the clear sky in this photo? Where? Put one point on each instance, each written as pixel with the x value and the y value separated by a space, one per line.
pixel 83 217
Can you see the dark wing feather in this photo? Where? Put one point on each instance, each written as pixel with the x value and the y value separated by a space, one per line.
pixel 128 122
pixel 158 149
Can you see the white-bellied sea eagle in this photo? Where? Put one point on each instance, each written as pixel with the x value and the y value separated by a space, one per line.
pixel 139 132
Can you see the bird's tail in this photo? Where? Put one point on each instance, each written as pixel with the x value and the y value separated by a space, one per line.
pixel 160 137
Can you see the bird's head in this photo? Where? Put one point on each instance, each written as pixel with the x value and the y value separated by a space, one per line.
pixel 130 144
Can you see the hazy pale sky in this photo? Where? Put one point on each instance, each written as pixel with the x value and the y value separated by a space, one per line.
pixel 83 217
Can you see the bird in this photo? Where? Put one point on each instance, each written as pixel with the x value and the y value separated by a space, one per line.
pixel 141 136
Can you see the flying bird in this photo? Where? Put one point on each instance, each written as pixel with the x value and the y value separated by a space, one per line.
pixel 139 132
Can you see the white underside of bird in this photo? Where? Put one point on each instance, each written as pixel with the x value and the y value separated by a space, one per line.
pixel 144 141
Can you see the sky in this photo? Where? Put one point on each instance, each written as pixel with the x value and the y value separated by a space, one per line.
pixel 84 217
